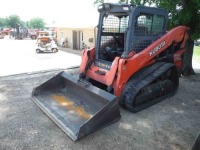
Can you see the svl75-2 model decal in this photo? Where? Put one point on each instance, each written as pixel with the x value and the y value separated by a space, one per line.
pixel 157 48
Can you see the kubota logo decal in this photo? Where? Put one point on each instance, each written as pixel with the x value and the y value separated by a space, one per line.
pixel 157 48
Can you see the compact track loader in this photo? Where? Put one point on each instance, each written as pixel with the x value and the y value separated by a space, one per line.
pixel 135 63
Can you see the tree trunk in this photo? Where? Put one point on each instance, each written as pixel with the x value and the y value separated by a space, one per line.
pixel 187 60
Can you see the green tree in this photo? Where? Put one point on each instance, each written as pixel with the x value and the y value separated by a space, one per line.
pixel 103 1
pixel 2 22
pixel 137 2
pixel 142 2
pixel 37 23
pixel 12 20
pixel 25 24
pixel 99 1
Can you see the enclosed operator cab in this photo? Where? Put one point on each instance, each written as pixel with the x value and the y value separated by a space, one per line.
pixel 126 28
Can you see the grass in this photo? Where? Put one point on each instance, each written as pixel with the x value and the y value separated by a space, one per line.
pixel 196 54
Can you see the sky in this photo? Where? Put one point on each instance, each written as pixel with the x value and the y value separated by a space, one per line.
pixel 66 13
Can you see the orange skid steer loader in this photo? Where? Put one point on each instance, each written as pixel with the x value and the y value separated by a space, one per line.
pixel 135 63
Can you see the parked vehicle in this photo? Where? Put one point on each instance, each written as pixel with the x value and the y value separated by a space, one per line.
pixel 46 44
pixel 21 32
pixel 49 33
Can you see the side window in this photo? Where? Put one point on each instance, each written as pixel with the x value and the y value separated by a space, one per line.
pixel 115 24
pixel 158 24
pixel 143 24
pixel 149 24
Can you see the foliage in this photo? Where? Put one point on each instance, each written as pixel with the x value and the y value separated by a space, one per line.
pixel 183 12
pixel 37 23
pixel 99 1
pixel 135 2
pixel 142 2
pixel 12 20
pixel 25 24
pixel 2 22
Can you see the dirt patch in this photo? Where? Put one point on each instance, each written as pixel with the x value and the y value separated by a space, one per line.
pixel 171 124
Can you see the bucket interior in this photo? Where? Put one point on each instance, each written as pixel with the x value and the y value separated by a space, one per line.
pixel 70 104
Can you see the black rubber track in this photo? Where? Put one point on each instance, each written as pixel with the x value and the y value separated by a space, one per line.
pixel 144 78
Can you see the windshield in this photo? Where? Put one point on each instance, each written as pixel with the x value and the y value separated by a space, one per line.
pixel 112 36
pixel 115 24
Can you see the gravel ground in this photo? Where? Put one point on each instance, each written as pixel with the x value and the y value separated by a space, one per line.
pixel 172 124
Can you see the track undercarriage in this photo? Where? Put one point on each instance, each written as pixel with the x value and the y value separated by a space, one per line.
pixel 150 86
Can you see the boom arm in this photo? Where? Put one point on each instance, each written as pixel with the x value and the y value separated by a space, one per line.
pixel 148 55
